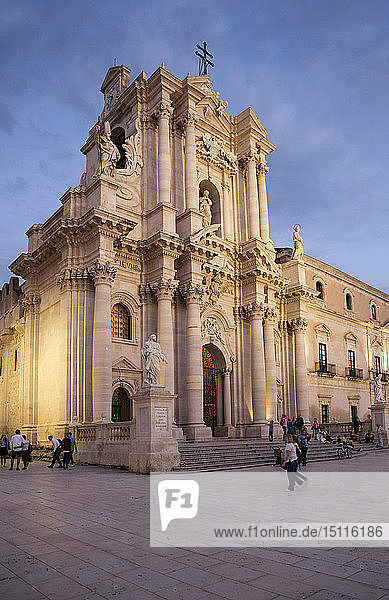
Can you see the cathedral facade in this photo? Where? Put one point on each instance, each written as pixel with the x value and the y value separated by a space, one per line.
pixel 167 233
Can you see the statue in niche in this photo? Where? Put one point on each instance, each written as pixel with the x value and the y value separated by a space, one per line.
pixel 152 356
pixel 378 393
pixel 298 244
pixel 205 204
pixel 109 153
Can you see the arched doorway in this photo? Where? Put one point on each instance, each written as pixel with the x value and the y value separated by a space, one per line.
pixel 121 405
pixel 213 363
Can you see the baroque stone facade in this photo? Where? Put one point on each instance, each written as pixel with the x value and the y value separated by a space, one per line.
pixel 168 233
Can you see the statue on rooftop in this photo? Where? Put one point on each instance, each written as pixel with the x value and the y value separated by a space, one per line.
pixel 298 244
pixel 108 151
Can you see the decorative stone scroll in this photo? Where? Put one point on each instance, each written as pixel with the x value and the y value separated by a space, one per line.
pixel 210 327
pixel 134 161
pixel 68 275
pixel 298 324
pixel 211 149
pixel 191 292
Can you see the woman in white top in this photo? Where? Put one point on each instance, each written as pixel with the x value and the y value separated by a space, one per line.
pixel 291 463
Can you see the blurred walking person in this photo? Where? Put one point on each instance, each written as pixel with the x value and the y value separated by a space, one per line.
pixel 26 452
pixel 66 447
pixel 57 452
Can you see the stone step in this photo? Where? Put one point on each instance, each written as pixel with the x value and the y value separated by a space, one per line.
pixel 238 454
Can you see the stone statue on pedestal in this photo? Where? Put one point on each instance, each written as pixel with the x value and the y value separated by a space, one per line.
pixel 152 356
pixel 378 393
pixel 205 204
pixel 298 244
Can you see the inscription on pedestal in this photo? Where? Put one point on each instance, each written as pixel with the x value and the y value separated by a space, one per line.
pixel 161 418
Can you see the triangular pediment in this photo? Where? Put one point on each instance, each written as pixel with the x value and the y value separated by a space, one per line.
pixel 322 329
pixel 123 364
pixel 351 337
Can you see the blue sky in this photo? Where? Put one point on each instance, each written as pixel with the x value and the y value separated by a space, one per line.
pixel 315 72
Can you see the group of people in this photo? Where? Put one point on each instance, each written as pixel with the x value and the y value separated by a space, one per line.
pixel 18 448
pixel 291 426
pixel 66 447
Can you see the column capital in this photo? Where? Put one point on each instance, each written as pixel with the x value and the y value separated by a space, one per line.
pixel 69 276
pixel 226 372
pixel 255 310
pixel 262 168
pixel 189 119
pixel 165 110
pixel 103 272
pixel 298 325
pixel 270 316
pixel 30 303
pixel 192 292
pixel 165 289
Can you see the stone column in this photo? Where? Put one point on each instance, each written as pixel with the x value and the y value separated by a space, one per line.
pixel 164 291
pixel 258 381
pixel 219 399
pixel 252 198
pixel 299 326
pixel 194 427
pixel 104 276
pixel 227 396
pixel 263 206
pixel 191 187
pixel 164 168
pixel 270 364
pixel 30 410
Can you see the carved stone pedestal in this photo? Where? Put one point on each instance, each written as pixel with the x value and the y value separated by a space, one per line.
pixel 380 416
pixel 257 430
pixel 225 431
pixel 154 447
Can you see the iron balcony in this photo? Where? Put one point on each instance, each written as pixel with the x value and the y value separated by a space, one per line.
pixel 325 369
pixel 353 373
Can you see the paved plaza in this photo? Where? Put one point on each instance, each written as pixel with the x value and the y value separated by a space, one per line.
pixel 84 534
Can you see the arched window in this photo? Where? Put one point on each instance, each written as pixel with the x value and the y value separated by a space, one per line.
pixel 373 312
pixel 319 288
pixel 349 302
pixel 118 137
pixel 121 322
pixel 121 405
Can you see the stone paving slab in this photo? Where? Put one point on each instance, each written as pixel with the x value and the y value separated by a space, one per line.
pixel 84 534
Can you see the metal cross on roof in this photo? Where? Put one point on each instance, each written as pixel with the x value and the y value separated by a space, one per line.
pixel 204 61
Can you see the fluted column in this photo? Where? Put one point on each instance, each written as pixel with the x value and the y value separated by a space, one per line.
pixel 262 198
pixel 299 326
pixel 252 198
pixel 258 381
pixel 164 168
pixel 164 291
pixel 31 311
pixel 191 187
pixel 270 364
pixel 104 276
pixel 227 396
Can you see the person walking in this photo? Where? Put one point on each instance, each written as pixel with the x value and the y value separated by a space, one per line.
pixel 15 445
pixel 26 452
pixel 4 447
pixel 66 447
pixel 290 463
pixel 380 434
pixel 271 430
pixel 315 428
pixel 303 441
pixel 57 448
pixel 72 449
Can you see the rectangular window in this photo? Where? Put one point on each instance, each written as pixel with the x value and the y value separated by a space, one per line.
pixel 16 360
pixel 354 412
pixel 323 355
pixel 377 364
pixel 325 413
